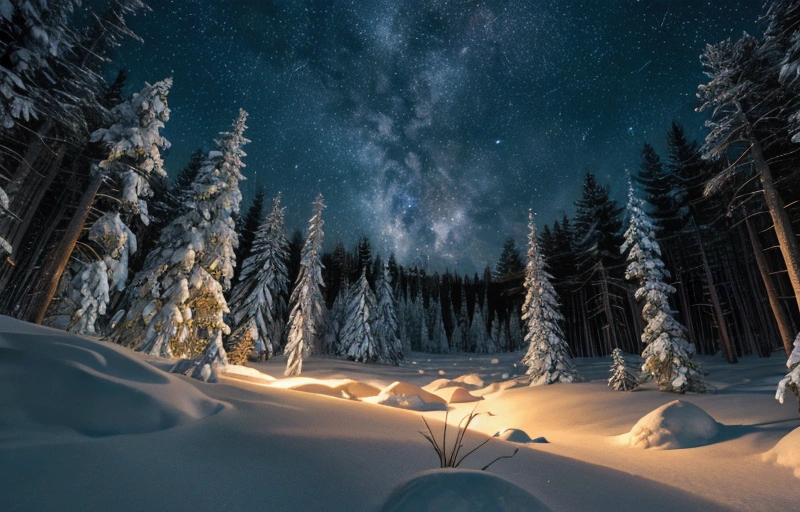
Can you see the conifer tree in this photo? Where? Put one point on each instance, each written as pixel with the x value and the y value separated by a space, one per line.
pixel 438 339
pixel 308 305
pixel 360 342
pixel 515 335
pixel 622 378
pixel 177 301
pixel 667 354
pixel 547 358
pixel 338 315
pixel 743 101
pixel 258 300
pixel 478 337
pixel 385 324
pixel 134 159
pixel 247 231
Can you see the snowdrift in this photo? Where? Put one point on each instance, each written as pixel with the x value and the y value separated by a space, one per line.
pixel 60 384
pixel 677 424
pixel 461 490
pixel 787 452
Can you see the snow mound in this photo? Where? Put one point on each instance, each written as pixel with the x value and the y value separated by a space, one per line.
pixel 787 452
pixel 515 435
pixel 231 370
pixel 410 402
pixel 496 387
pixel 674 425
pixel 462 490
pixel 408 396
pixel 456 395
pixel 57 384
pixel 339 388
pixel 406 389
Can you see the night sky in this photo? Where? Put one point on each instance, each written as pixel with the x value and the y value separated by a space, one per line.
pixel 431 126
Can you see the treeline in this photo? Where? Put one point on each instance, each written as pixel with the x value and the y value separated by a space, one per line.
pixel 88 218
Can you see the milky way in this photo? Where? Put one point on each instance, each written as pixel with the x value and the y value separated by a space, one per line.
pixel 431 126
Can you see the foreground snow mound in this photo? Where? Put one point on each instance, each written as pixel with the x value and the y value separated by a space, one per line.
pixel 674 425
pixel 787 452
pixel 462 490
pixel 56 384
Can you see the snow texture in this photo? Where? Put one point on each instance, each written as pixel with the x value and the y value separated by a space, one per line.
pixel 547 358
pixel 463 490
pixel 668 353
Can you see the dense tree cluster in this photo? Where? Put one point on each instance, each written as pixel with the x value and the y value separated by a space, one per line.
pixel 97 240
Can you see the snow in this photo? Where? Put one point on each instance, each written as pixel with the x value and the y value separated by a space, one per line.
pixel 462 490
pixel 787 452
pixel 674 425
pixel 88 425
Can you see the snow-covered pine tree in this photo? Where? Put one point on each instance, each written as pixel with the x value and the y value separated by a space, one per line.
pixel 360 342
pixel 438 338
pixel 478 337
pixel 308 304
pixel 622 378
pixel 258 301
pixel 791 381
pixel 177 301
pixel 5 247
pixel 402 333
pixel 385 325
pixel 134 158
pixel 89 293
pixel 515 335
pixel 337 317
pixel 667 354
pixel 547 358
pixel 460 343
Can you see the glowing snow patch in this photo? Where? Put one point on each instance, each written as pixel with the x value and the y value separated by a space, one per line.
pixel 787 452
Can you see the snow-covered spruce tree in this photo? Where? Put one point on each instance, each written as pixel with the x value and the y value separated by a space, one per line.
pixel 5 247
pixel 667 354
pixel 622 378
pixel 177 301
pixel 515 337
pixel 358 335
pixel 385 325
pixel 258 301
pixel 791 381
pixel 308 304
pixel 90 289
pixel 438 338
pixel 547 358
pixel 478 337
pixel 134 158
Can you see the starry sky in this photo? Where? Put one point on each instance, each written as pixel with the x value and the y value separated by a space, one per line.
pixel 430 126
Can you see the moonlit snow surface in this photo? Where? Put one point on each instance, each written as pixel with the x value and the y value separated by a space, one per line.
pixel 86 425
pixel 461 490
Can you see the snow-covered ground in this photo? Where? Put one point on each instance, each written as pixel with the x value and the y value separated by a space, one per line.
pixel 87 425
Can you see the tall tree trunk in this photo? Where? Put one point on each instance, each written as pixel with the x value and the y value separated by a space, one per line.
pixel 730 353
pixel 51 274
pixel 772 293
pixel 787 240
